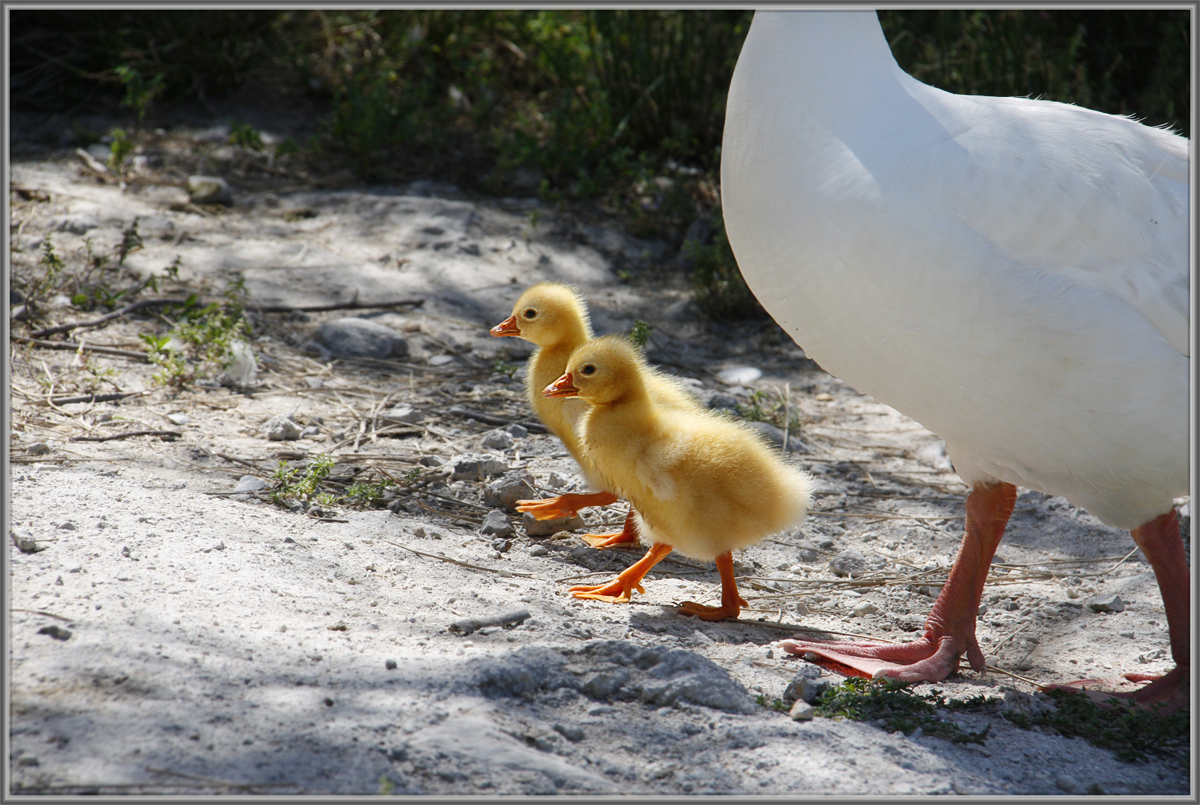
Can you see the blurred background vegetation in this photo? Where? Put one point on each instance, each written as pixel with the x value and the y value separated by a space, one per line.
pixel 617 108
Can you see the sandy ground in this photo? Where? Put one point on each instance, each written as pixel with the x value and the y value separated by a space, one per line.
pixel 171 636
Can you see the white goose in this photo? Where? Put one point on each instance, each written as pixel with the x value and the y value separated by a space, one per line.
pixel 1011 273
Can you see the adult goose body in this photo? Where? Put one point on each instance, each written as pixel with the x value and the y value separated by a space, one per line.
pixel 1011 273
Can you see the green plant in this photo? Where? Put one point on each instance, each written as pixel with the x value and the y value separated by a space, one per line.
pixel 39 287
pixel 139 93
pixel 368 495
pixel 900 711
pixel 245 136
pixel 291 484
pixel 639 334
pixel 120 149
pixel 1133 734
pixel 200 343
pixel 502 367
pixel 759 407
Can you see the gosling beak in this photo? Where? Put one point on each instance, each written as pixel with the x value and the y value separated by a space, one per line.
pixel 563 387
pixel 506 327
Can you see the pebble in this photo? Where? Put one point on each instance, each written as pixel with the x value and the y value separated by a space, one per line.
pixel 501 545
pixel 178 419
pixel 476 467
pixel 722 400
pixel 67 526
pixel 440 360
pixel 806 685
pixel 853 562
pixel 498 440
pixel 249 483
pixel 863 608
pixel 1066 783
pixel 311 432
pixel 571 732
pixel 314 382
pixel 25 542
pixel 496 524
pixel 390 665
pixel 77 224
pixel 740 375
pixel 1107 603
pixel 359 338
pixel 539 550
pixel 801 711
pixel 517 431
pixel 545 528
pixel 281 428
pixel 209 190
pixel 38 449
pixel 505 491
pixel 402 414
pixel 57 632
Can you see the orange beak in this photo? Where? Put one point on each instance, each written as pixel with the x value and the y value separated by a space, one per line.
pixel 506 327
pixel 563 387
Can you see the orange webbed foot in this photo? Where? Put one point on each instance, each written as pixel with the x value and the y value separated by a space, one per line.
pixel 626 536
pixel 615 592
pixel 707 613
pixel 567 505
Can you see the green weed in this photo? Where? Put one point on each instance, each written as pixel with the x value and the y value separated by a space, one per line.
pixel 1133 734
pixel 761 408
pixel 120 149
pixel 639 334
pixel 901 711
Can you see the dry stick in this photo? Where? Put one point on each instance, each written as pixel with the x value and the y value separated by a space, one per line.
pixel 79 325
pixel 458 562
pixel 173 434
pixel 47 614
pixel 489 419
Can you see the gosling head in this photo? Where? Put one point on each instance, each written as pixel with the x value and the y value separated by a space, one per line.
pixel 601 371
pixel 546 314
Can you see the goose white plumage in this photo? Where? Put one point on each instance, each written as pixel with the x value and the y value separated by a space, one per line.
pixel 1011 273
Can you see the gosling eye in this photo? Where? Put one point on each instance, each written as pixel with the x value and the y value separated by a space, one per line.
pixel 588 369
pixel 530 313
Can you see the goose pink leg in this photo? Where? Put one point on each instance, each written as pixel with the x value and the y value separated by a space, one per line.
pixel 950 627
pixel 1162 546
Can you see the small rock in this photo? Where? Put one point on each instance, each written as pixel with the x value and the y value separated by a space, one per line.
pixel 38 449
pixel 546 528
pixel 863 608
pixel 178 419
pixel 505 491
pixel 241 371
pixel 722 400
pixel 498 440
pixel 853 562
pixel 390 665
pixel 359 338
pixel 249 483
pixel 431 461
pixel 806 686
pixel 25 542
pixel 67 526
pixel 1107 603
pixel 476 467
pixel 314 382
pixel 570 732
pixel 77 224
pixel 801 711
pixel 496 524
pixel 740 375
pixel 501 545
pixel 209 190
pixel 402 414
pixel 57 632
pixel 539 550
pixel 1066 783
pixel 281 428
pixel 517 431
pixel 310 432
pixel 440 360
